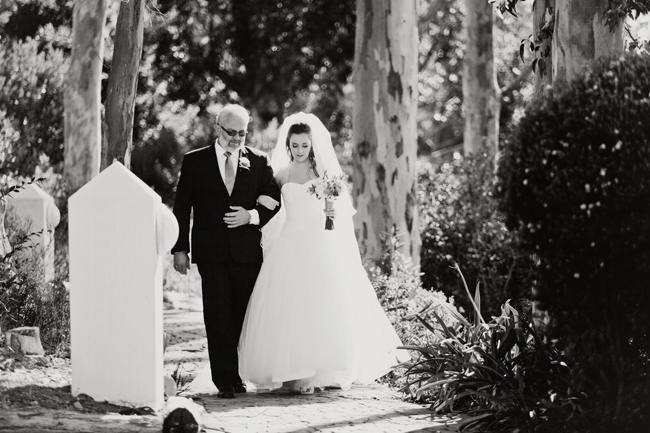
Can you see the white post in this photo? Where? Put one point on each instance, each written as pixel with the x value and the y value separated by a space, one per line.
pixel 36 209
pixel 118 228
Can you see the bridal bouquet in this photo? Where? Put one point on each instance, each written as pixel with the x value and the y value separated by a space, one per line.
pixel 328 188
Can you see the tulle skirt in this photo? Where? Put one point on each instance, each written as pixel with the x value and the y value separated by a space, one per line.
pixel 314 315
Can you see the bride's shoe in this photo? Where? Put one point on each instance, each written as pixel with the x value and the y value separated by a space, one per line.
pixel 286 388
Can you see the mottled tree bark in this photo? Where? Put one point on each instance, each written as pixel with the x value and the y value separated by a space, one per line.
pixel 542 15
pixel 5 246
pixel 122 84
pixel 481 99
pixel 82 125
pixel 384 125
pixel 581 35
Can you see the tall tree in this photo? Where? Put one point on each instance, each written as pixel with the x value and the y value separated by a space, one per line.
pixel 581 35
pixel 384 125
pixel 82 124
pixel 122 84
pixel 481 100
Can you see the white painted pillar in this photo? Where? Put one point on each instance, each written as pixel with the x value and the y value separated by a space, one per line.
pixel 118 230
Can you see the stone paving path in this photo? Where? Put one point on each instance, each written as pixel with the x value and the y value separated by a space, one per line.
pixel 374 408
pixel 370 409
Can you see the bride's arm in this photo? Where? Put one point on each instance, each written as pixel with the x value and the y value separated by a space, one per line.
pixel 267 201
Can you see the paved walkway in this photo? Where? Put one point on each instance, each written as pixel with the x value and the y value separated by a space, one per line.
pixel 370 409
pixel 374 408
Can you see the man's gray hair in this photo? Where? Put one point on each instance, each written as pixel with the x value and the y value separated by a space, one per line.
pixel 233 110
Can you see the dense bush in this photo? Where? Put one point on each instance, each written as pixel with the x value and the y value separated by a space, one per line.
pixel 31 105
pixel 461 223
pixel 575 180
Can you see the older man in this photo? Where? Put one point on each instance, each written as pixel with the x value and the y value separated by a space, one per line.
pixel 221 184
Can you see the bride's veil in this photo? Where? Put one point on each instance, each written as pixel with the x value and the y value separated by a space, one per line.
pixel 321 141
pixel 326 162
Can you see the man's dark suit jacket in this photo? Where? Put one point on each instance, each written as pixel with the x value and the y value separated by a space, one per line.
pixel 201 189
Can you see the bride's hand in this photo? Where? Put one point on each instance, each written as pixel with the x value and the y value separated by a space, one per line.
pixel 329 208
pixel 267 202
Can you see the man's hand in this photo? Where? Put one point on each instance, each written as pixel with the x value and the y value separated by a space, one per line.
pixel 238 217
pixel 181 262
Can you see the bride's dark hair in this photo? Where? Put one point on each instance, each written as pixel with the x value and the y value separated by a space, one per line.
pixel 302 128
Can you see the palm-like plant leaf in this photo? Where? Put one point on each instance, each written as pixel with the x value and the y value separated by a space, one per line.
pixel 490 370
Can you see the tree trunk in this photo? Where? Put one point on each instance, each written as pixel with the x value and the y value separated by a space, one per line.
pixel 481 100
pixel 542 15
pixel 384 126
pixel 82 125
pixel 122 84
pixel 581 36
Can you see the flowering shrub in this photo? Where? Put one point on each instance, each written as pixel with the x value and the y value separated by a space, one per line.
pixel 574 180
pixel 461 223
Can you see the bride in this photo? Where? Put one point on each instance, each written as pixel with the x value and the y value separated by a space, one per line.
pixel 313 319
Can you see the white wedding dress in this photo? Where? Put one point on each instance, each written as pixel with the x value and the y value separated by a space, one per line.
pixel 314 315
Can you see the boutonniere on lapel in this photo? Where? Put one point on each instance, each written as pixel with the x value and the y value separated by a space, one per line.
pixel 244 163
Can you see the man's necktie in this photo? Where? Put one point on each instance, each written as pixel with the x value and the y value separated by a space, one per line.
pixel 229 174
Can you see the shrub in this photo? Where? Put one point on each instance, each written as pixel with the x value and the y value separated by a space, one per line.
pixel 500 372
pixel 575 181
pixel 31 105
pixel 402 296
pixel 461 223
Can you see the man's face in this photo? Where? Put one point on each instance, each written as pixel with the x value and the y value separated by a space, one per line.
pixel 232 131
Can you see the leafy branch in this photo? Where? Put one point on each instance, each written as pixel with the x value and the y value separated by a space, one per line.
pixel 8 192
pixel 540 46
pixel 615 12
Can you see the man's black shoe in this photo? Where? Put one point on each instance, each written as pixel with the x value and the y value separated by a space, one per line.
pixel 240 388
pixel 226 392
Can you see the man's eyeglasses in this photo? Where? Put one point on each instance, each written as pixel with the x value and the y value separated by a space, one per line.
pixel 232 132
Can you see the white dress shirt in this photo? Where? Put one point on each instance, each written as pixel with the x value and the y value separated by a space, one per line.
pixel 234 160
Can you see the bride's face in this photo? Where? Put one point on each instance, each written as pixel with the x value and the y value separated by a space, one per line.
pixel 300 146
